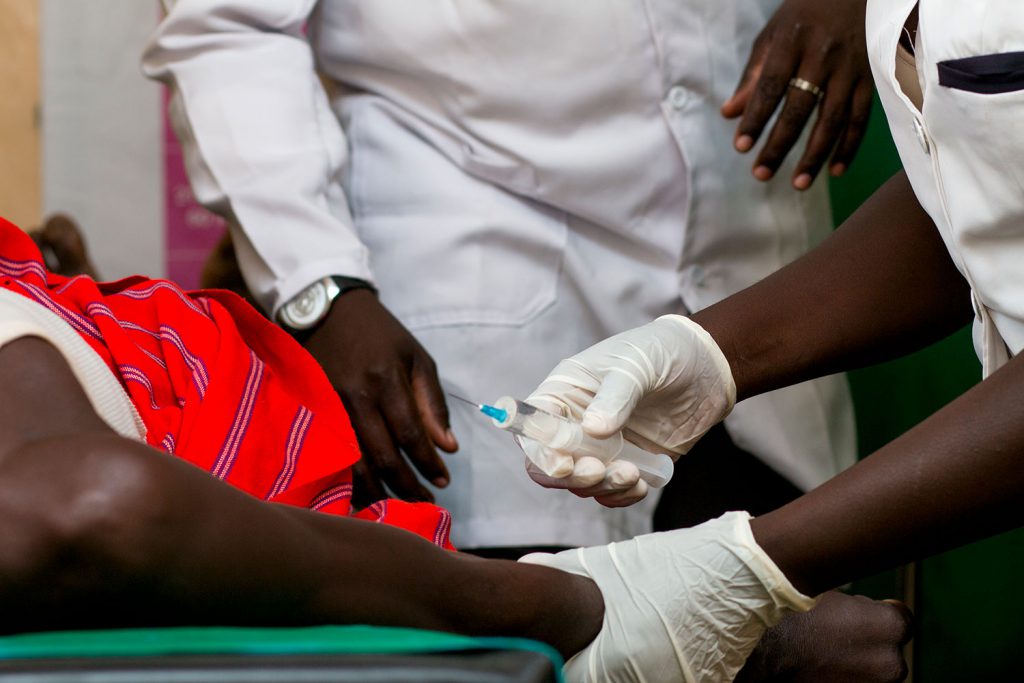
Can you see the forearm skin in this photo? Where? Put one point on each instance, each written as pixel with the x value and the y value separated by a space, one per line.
pixel 881 286
pixel 100 531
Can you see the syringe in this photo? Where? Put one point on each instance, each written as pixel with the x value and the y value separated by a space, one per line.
pixel 565 435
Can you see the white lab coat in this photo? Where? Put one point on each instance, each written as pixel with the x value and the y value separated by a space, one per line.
pixel 963 151
pixel 520 179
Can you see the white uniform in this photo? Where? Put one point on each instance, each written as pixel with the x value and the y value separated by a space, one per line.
pixel 963 150
pixel 520 180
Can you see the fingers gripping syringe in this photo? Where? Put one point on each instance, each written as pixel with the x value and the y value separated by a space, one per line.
pixel 565 435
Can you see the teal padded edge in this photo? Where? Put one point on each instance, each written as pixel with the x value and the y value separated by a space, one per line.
pixel 255 641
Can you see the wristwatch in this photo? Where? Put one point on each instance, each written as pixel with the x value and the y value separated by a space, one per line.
pixel 311 305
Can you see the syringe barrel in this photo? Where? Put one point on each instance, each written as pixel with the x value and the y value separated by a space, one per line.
pixel 555 431
pixel 568 436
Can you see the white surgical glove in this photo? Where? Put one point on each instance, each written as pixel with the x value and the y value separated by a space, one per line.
pixel 687 605
pixel 616 484
pixel 663 384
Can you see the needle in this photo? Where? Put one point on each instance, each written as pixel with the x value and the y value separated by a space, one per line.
pixel 490 411
pixel 465 400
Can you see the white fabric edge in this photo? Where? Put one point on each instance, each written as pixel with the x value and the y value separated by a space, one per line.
pixel 21 317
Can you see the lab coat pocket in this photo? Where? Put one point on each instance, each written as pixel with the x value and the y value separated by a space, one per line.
pixel 464 269
pixel 512 174
pixel 985 74
pixel 978 140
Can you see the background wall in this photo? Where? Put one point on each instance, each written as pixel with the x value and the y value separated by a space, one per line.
pixel 110 160
pixel 20 175
pixel 102 122
pixel 969 599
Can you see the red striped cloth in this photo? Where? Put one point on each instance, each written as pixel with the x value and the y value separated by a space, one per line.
pixel 218 385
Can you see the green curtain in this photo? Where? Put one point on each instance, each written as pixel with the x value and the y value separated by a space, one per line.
pixel 969 599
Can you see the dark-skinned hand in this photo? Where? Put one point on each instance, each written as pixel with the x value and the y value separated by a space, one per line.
pixel 820 42
pixel 389 386
pixel 844 639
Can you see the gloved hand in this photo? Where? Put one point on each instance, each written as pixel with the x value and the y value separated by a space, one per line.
pixel 663 384
pixel 616 484
pixel 688 605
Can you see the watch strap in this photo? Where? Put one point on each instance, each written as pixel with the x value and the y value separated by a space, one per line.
pixel 346 284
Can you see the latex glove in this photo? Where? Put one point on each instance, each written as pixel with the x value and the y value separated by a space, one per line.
pixel 617 484
pixel 688 605
pixel 664 384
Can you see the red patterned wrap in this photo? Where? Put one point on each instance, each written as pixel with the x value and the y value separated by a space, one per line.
pixel 217 385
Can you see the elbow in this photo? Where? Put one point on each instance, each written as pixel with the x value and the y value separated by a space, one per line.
pixel 187 31
pixel 81 523
pixel 193 29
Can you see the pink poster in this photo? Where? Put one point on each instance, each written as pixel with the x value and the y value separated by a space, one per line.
pixel 191 230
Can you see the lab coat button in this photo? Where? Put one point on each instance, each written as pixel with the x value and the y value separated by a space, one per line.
pixel 922 136
pixel 677 96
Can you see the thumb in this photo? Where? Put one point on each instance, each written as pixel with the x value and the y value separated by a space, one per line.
pixel 612 405
pixel 553 464
pixel 432 407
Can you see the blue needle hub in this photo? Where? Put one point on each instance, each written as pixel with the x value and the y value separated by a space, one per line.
pixel 494 413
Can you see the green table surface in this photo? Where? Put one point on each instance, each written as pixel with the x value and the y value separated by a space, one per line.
pixel 325 640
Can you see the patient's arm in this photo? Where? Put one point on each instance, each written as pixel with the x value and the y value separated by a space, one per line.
pixel 100 531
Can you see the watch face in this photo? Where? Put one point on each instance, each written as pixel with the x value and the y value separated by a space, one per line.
pixel 306 309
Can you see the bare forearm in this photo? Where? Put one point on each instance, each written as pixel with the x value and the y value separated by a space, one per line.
pixel 102 531
pixel 455 592
pixel 955 478
pixel 125 536
pixel 352 571
pixel 882 285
